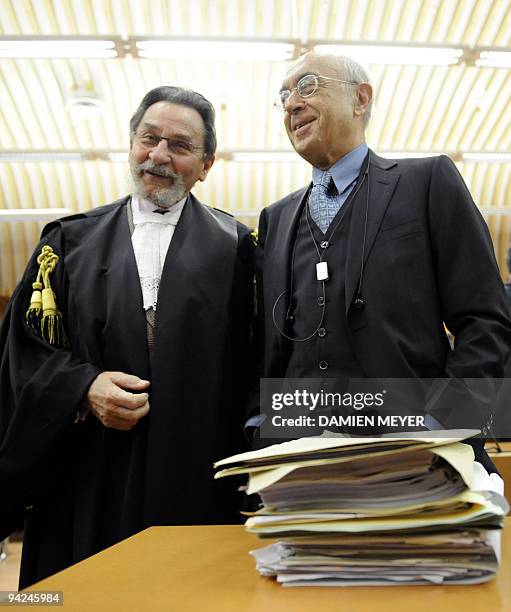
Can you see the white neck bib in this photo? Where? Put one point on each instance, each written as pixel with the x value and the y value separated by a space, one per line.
pixel 151 238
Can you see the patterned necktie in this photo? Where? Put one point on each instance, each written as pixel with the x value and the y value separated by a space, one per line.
pixel 323 206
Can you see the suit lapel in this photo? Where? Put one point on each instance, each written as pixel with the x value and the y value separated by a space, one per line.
pixel 381 182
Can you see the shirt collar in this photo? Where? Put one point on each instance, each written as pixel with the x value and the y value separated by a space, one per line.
pixel 143 212
pixel 346 169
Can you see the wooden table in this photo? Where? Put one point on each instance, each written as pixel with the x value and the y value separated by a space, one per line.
pixel 208 569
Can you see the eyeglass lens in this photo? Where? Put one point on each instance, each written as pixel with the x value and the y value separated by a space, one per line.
pixel 305 87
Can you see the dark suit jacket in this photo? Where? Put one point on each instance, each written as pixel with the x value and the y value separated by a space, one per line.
pixel 428 259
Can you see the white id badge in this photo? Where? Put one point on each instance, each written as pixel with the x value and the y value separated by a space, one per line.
pixel 322 271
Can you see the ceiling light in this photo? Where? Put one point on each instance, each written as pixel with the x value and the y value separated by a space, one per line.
pixel 118 156
pixel 39 156
pixel 264 156
pixel 83 102
pixel 494 59
pixel 33 214
pixel 498 211
pixel 405 154
pixel 245 213
pixel 260 155
pixel 47 48
pixel 487 157
pixel 376 54
pixel 215 50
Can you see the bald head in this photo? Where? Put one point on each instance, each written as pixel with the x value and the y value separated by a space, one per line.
pixel 326 119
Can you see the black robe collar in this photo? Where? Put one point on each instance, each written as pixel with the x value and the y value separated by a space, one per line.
pixel 102 271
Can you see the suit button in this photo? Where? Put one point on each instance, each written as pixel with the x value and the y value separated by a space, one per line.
pixel 321 301
pixel 321 332
pixel 324 244
pixel 323 365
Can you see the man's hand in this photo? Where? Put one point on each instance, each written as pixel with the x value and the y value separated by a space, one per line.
pixel 110 400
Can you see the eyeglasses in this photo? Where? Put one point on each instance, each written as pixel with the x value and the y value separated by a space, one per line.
pixel 180 148
pixel 305 88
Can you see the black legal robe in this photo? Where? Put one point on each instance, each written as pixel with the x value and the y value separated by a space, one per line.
pixel 88 486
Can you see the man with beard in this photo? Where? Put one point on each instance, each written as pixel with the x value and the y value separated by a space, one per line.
pixel 118 395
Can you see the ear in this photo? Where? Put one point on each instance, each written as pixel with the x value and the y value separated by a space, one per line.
pixel 364 97
pixel 206 168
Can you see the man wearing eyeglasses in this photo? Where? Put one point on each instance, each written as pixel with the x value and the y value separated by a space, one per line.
pixel 360 269
pixel 117 398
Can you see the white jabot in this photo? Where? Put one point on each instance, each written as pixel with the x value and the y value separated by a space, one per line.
pixel 151 238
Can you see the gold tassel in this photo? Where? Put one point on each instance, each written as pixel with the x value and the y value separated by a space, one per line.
pixel 51 322
pixel 49 327
pixel 33 315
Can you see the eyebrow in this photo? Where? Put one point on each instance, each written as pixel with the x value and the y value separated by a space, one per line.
pixel 151 126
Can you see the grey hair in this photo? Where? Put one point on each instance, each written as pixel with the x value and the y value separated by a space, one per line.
pixel 352 71
pixel 184 97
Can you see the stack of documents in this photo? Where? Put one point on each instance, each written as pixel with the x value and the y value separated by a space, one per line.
pixel 373 511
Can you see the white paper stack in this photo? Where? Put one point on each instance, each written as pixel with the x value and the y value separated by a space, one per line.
pixel 351 511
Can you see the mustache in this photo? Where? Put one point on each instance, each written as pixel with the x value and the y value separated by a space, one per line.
pixel 149 166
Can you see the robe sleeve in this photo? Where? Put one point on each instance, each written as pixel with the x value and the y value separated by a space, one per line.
pixel 42 387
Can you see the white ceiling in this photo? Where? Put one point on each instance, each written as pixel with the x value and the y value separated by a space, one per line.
pixel 453 109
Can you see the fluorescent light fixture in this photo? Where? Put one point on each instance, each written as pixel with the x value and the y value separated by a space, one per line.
pixel 405 154
pixel 264 156
pixel 118 156
pixel 498 211
pixel 376 54
pixel 40 156
pixel 215 50
pixel 47 48
pixel 494 59
pixel 245 213
pixel 242 156
pixel 33 214
pixel 487 157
